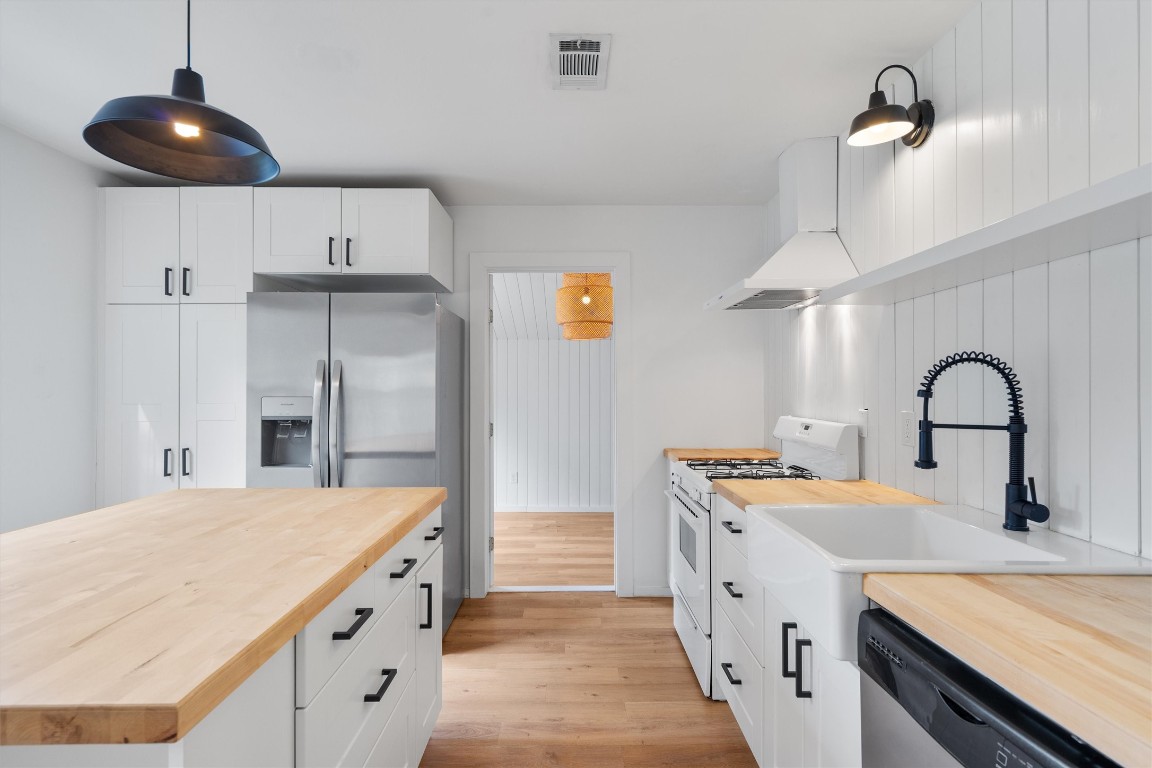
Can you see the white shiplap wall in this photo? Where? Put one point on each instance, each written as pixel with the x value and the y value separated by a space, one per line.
pixel 1033 100
pixel 552 404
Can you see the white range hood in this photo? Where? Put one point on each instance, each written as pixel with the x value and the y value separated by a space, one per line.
pixel 810 256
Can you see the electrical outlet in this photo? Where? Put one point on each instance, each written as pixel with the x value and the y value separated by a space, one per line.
pixel 862 422
pixel 516 475
pixel 906 427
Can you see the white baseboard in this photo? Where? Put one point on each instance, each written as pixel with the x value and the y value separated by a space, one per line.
pixel 539 508
pixel 653 592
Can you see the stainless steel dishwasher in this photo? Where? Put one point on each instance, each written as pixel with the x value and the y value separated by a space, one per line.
pixel 922 707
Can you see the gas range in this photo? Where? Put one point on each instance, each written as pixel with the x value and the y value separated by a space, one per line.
pixel 750 469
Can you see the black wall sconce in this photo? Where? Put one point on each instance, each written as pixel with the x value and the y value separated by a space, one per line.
pixel 883 122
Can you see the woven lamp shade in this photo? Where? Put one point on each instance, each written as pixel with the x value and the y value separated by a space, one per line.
pixel 579 320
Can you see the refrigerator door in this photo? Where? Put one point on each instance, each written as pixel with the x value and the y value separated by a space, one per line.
pixel 450 449
pixel 385 415
pixel 287 390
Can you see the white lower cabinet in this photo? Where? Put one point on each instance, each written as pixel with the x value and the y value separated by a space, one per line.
pixel 429 648
pixel 741 678
pixel 397 746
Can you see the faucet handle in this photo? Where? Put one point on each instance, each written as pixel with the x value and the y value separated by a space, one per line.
pixel 1032 488
pixel 1035 511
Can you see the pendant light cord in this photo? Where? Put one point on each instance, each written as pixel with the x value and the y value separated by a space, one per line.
pixel 188 36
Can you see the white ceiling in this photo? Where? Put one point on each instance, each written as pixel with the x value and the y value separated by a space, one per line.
pixel 455 94
pixel 524 305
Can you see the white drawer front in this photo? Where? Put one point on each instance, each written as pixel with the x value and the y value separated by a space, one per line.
pixel 318 654
pixel 396 747
pixel 396 569
pixel 430 533
pixel 746 611
pixel 340 728
pixel 746 697
pixel 730 524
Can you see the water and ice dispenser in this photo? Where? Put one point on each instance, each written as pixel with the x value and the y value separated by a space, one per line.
pixel 286 431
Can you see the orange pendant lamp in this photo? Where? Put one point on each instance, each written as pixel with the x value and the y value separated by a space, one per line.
pixel 584 305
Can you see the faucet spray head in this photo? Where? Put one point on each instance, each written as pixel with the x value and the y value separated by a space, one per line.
pixel 925 460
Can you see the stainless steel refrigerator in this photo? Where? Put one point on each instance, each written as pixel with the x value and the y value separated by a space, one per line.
pixel 360 390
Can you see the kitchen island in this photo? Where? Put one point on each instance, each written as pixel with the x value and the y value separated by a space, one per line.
pixel 131 624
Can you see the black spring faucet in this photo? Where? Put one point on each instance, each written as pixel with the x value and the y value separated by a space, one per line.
pixel 1018 510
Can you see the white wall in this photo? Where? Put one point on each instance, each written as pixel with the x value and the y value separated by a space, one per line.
pixel 1033 101
pixel 697 376
pixel 552 411
pixel 48 294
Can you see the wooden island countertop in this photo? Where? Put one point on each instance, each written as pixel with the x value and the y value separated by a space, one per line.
pixel 745 492
pixel 131 623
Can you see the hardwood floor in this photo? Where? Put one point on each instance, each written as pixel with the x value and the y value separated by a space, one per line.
pixel 549 549
pixel 575 679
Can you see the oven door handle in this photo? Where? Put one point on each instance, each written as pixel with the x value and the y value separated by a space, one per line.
pixel 688 506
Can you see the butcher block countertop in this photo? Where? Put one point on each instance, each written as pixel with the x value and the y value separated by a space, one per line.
pixel 131 623
pixel 683 454
pixel 745 492
pixel 1077 648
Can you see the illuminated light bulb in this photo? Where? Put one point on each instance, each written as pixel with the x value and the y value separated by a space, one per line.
pixel 586 299
pixel 185 130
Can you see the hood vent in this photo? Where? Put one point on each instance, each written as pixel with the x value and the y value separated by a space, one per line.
pixel 579 62
pixel 809 256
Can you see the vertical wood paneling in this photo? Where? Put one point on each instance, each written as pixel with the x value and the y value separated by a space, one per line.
pixel 970 396
pixel 1069 389
pixel 1145 13
pixel 969 124
pixel 1067 97
pixel 886 204
pixel 1145 340
pixel 905 394
pixel 1030 361
pixel 1115 433
pixel 1029 104
pixel 996 56
pixel 904 175
pixel 868 241
pixel 1113 87
pixel 924 172
pixel 886 428
pixel 923 356
pixel 945 398
pixel 866 323
pixel 944 137
pixel 998 342
pixel 844 192
pixel 855 159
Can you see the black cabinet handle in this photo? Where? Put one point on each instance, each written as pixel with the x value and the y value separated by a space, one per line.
pixel 731 528
pixel 409 564
pixel 167 281
pixel 331 242
pixel 185 461
pixel 362 616
pixel 348 251
pixel 184 275
pixel 784 627
pixel 728 674
pixel 389 676
pixel 167 462
pixel 437 532
pixel 728 588
pixel 427 624
pixel 800 692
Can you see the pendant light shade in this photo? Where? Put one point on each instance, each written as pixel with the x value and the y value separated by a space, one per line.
pixel 883 122
pixel 584 305
pixel 180 136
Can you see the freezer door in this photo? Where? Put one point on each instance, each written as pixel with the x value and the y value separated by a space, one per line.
pixel 287 390
pixel 385 345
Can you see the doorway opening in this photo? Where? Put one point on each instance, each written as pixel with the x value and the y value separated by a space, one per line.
pixel 552 443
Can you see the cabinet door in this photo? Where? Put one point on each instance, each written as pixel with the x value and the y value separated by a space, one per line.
pixel 141 401
pixel 141 245
pixel 787 716
pixel 385 231
pixel 429 652
pixel 397 743
pixel 213 342
pixel 296 230
pixel 836 701
pixel 215 244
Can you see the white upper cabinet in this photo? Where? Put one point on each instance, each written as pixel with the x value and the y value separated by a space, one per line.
pixel 352 232
pixel 168 246
pixel 215 245
pixel 296 230
pixel 142 245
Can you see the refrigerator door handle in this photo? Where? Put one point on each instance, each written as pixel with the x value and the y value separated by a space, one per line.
pixel 319 475
pixel 336 427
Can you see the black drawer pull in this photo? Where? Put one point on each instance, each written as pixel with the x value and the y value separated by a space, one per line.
pixel 389 676
pixel 185 461
pixel 728 588
pixel 331 261
pixel 409 564
pixel 728 674
pixel 437 532
pixel 427 624
pixel 363 614
pixel 800 692
pixel 167 462
pixel 167 281
pixel 348 251
pixel 185 274
pixel 784 627
pixel 731 528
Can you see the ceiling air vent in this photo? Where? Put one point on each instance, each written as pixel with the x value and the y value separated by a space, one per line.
pixel 579 62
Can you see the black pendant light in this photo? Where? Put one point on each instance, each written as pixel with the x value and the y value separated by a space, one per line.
pixel 883 122
pixel 180 136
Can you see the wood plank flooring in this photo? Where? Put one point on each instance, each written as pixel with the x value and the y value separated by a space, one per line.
pixel 579 680
pixel 550 549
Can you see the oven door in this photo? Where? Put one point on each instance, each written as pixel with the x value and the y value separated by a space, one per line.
pixel 691 565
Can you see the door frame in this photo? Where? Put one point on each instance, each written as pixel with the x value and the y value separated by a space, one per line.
pixel 481 490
